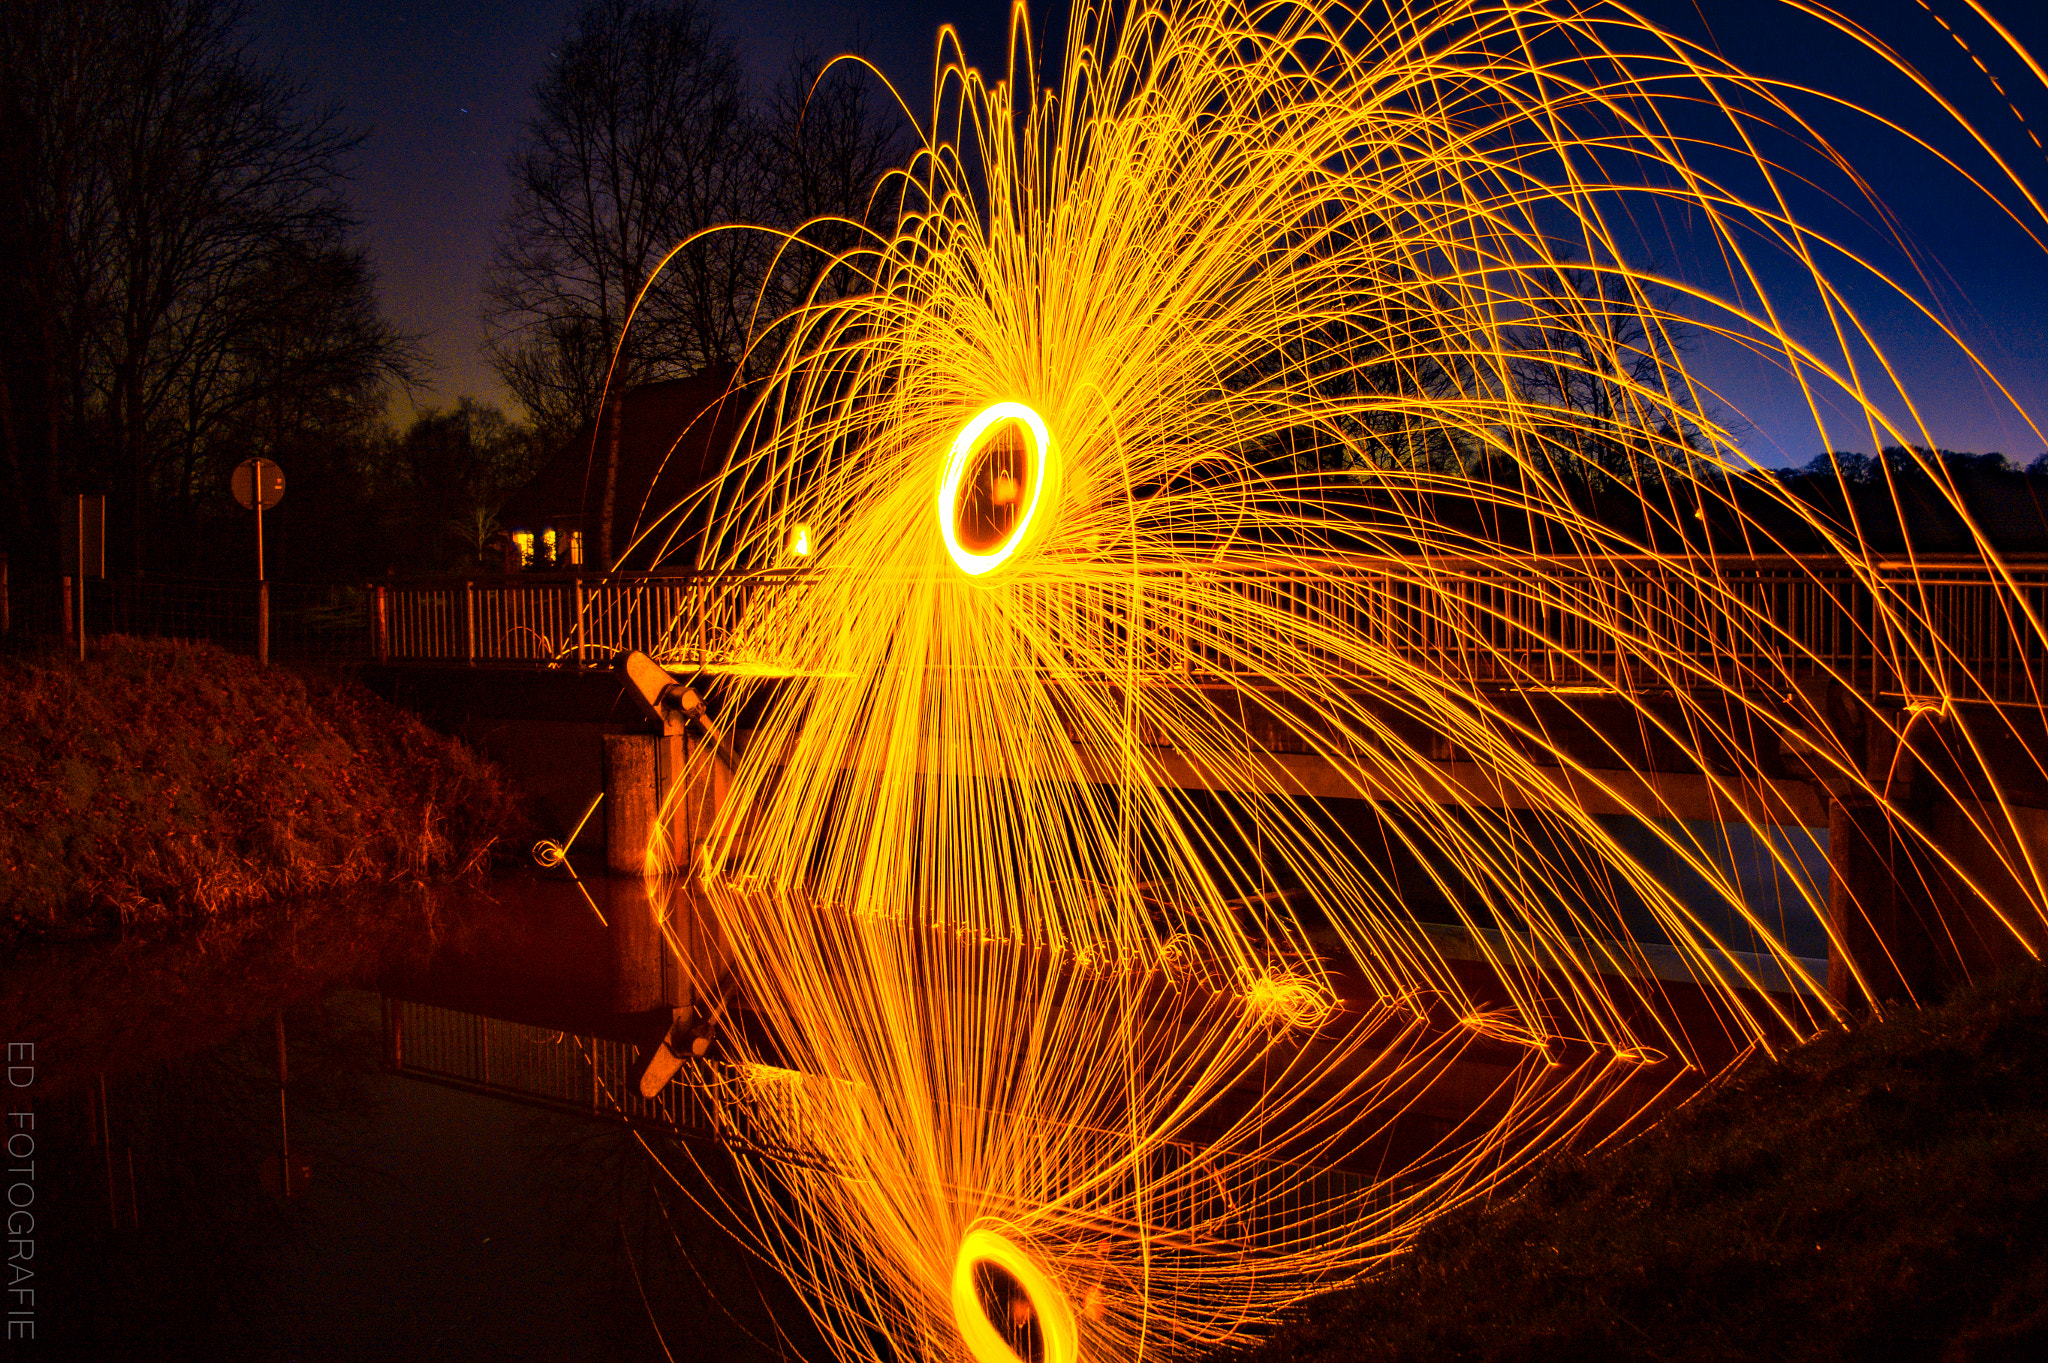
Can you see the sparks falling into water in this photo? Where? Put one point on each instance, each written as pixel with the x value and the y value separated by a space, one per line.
pixel 1229 368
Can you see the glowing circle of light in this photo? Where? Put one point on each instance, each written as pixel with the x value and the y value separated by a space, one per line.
pixel 1061 1343
pixel 1306 273
pixel 965 446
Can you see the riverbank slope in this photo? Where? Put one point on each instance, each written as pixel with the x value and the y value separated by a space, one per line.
pixel 166 782
pixel 1878 1194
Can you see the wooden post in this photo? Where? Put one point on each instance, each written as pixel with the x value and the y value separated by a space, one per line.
pixel 381 623
pixel 581 657
pixel 64 610
pixel 469 620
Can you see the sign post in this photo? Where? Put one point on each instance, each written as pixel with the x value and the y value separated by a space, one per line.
pixel 85 555
pixel 258 484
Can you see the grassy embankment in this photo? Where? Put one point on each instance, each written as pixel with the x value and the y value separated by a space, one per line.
pixel 165 783
pixel 1878 1194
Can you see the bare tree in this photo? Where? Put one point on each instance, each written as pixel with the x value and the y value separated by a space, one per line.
pixel 646 134
pixel 828 138
pixel 187 234
pixel 1607 364
pixel 293 354
pixel 53 82
pixel 443 481
pixel 642 137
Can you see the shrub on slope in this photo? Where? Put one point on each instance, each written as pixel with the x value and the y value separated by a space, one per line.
pixel 163 780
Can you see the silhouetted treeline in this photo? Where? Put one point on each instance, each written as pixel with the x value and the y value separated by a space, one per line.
pixel 1884 496
pixel 180 284
pixel 1557 504
pixel 371 499
pixel 647 134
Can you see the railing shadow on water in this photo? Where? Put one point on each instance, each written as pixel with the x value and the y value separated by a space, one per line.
pixel 770 1116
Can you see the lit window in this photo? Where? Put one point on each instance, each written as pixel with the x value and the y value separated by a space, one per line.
pixel 547 539
pixel 523 541
pixel 575 548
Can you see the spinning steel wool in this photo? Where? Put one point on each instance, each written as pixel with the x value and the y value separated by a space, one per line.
pixel 1266 412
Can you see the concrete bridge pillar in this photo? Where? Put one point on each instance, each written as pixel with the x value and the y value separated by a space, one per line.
pixel 661 791
pixel 633 765
pixel 700 781
pixel 1881 949
pixel 1936 884
pixel 646 974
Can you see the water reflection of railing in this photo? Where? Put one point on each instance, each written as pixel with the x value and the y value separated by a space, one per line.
pixel 562 1071
pixel 1190 1198
pixel 1943 625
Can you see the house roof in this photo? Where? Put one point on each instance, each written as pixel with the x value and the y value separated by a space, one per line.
pixel 673 438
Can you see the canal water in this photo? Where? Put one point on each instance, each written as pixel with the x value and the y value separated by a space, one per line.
pixel 184 1204
pixel 396 1125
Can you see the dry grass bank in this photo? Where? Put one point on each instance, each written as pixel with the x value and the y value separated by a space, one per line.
pixel 165 782
pixel 1879 1194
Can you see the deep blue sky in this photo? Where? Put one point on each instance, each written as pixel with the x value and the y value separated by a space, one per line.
pixel 444 87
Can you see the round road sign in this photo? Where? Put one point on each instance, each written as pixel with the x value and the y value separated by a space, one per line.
pixel 257 477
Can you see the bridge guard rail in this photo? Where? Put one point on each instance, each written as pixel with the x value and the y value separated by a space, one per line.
pixel 1944 627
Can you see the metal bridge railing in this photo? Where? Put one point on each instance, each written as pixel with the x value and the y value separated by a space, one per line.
pixel 559 619
pixel 1936 626
pixel 307 622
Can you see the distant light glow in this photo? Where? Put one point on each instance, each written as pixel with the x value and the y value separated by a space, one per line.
pixel 800 541
pixel 960 462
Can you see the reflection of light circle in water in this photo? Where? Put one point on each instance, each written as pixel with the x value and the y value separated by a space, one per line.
pixel 990 492
pixel 1058 1342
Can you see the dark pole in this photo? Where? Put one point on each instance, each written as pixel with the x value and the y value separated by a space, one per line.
pixel 616 416
pixel 78 514
pixel 262 581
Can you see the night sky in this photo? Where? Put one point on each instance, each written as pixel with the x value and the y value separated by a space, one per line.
pixel 444 88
